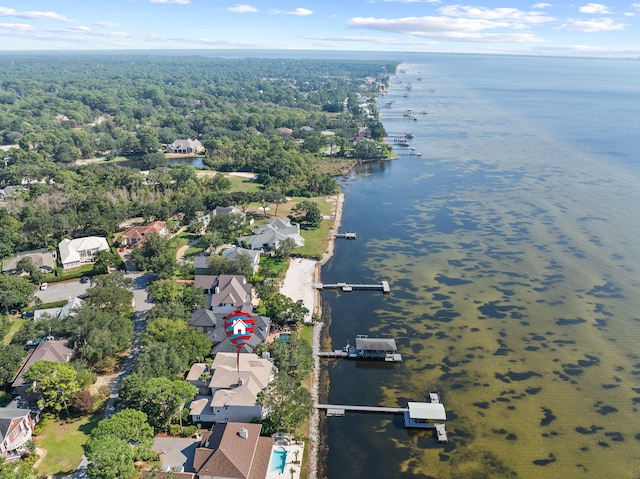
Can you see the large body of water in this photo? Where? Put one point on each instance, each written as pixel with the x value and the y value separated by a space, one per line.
pixel 512 249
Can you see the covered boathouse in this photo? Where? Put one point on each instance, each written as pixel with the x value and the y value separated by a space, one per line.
pixel 374 348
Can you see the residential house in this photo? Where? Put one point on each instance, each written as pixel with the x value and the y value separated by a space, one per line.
pixel 42 259
pixel 11 191
pixel 234 252
pixel 68 310
pixel 54 350
pixel 211 322
pixel 16 427
pixel 185 147
pixel 231 290
pixel 76 252
pixel 218 210
pixel 233 450
pixel 233 388
pixel 137 234
pixel 270 235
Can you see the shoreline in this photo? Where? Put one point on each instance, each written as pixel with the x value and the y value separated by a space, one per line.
pixel 300 288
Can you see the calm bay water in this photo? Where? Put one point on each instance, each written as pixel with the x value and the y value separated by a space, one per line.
pixel 511 246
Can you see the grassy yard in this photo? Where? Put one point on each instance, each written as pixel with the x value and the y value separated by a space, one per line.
pixel 16 324
pixel 239 183
pixel 181 239
pixel 63 442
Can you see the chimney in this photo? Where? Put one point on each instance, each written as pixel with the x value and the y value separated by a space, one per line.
pixel 243 433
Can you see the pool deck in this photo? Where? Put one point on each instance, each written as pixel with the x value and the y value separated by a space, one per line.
pixel 289 462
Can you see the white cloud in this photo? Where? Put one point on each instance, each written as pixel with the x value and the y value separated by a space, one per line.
pixel 17 27
pixel 503 14
pixel 594 8
pixel 11 12
pixel 107 24
pixel 180 2
pixel 541 5
pixel 590 26
pixel 242 9
pixel 300 12
pixel 461 29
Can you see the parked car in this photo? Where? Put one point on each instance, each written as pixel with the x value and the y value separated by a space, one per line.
pixel 84 279
pixel 43 286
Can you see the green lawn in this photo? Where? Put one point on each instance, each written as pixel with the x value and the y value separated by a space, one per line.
pixel 63 442
pixel 238 183
pixel 181 239
pixel 316 241
pixel 16 324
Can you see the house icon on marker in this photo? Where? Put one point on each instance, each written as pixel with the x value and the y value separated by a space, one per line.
pixel 239 327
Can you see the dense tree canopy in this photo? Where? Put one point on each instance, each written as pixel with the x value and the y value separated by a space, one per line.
pixel 54 383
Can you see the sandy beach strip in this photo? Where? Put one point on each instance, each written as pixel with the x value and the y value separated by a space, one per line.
pixel 298 285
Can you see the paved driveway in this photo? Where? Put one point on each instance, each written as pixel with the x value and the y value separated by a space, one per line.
pixel 63 290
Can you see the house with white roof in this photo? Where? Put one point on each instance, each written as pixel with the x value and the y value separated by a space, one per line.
pixel 76 252
pixel 185 146
pixel 233 390
pixel 70 309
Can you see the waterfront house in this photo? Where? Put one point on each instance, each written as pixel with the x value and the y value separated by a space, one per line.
pixel 211 322
pixel 270 235
pixel 233 450
pixel 76 252
pixel 232 389
pixel 42 259
pixel 231 290
pixel 185 147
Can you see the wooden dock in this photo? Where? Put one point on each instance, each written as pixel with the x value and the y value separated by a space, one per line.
pixel 348 287
pixel 340 409
pixel 349 236
pixel 336 353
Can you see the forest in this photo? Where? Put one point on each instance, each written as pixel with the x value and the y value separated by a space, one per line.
pixel 289 121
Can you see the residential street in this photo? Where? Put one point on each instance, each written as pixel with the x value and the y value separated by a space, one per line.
pixel 141 307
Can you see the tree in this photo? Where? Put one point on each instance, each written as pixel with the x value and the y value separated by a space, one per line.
pixel 109 458
pixel 282 309
pixel 55 384
pixel 289 404
pixel 160 398
pixel 131 427
pixel 19 470
pixel 285 248
pixel 15 293
pixel 293 357
pixel 228 225
pixel 103 260
pixel 307 213
pixel 157 255
pixel 10 360
pixel 26 265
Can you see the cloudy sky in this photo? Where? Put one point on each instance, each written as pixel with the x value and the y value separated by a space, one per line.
pixel 563 28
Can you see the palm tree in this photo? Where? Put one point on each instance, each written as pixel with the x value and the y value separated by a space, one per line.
pixel 292 471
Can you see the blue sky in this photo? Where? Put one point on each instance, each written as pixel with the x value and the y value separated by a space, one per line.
pixel 545 28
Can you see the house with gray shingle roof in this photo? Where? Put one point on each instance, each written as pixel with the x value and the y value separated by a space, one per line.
pixel 270 235
pixel 42 259
pixel 211 322
pixel 54 350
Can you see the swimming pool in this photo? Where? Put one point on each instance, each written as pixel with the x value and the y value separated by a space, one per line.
pixel 278 460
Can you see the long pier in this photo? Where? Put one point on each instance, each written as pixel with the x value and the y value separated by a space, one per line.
pixel 348 287
pixel 340 409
